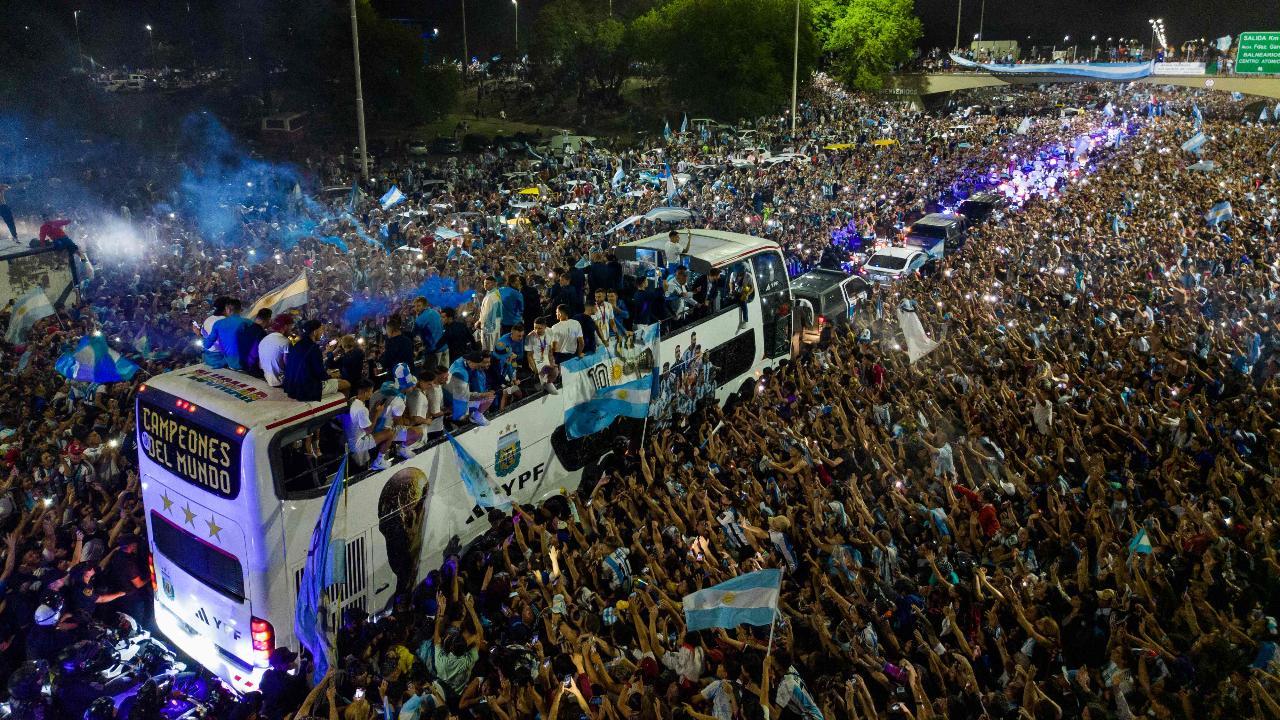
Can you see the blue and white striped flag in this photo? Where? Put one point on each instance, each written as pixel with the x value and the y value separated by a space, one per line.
pixel 1195 142
pixel 671 184
pixel 1265 115
pixel 750 599
pixel 94 361
pixel 392 198
pixel 1237 96
pixel 1219 212
pixel 618 175
pixel 666 130
pixel 355 196
pixel 1196 115
pixel 479 484
pixel 310 620
pixel 1141 543
pixel 630 399
pixel 1109 110
pixel 684 124
pixel 28 310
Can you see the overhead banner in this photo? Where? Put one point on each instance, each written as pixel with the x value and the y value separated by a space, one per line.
pixel 1091 71
pixel 1258 53
pixel 1178 68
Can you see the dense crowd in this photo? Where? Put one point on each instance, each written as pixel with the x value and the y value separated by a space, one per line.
pixel 1064 510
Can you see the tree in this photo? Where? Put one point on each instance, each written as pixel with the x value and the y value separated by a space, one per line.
pixel 728 58
pixel 866 38
pixel 577 45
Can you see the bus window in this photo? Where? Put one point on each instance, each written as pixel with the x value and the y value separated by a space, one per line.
pixel 304 458
pixel 210 565
pixel 771 272
pixel 734 357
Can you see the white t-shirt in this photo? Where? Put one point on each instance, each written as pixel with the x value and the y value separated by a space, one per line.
pixel 604 318
pixel 540 347
pixel 207 329
pixel 565 335
pixel 423 404
pixel 272 351
pixel 356 425
pixel 671 251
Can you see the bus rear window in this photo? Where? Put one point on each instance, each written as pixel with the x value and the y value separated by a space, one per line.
pixel 935 232
pixel 191 446
pixel 210 565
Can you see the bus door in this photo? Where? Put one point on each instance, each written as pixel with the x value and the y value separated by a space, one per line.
pixel 774 290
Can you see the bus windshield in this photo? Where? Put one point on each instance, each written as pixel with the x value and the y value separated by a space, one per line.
pixel 191 443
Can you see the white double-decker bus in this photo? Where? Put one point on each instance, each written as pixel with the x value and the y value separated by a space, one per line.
pixel 232 486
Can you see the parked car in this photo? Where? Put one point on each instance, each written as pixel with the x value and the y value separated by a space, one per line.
pixel 827 297
pixel 445 146
pixel 892 263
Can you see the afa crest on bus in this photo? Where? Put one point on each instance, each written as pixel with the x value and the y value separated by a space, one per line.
pixel 507 457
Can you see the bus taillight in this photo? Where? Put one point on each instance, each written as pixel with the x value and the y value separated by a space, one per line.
pixel 151 565
pixel 264 641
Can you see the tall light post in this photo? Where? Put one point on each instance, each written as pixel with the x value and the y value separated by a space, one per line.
pixel 795 72
pixel 466 55
pixel 1152 23
pixel 959 5
pixel 355 50
pixel 79 50
pixel 982 16
pixel 151 42
pixel 516 5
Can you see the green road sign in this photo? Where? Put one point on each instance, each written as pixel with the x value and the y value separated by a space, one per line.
pixel 1259 53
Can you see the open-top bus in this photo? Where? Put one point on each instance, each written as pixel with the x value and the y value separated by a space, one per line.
pixel 232 488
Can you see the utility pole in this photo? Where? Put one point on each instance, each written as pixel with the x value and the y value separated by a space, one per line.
pixel 79 50
pixel 982 16
pixel 466 54
pixel 795 74
pixel 959 5
pixel 355 49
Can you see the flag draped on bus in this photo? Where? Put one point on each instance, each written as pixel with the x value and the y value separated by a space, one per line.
pixel 310 621
pixel 479 485
pixel 285 297
pixel 610 383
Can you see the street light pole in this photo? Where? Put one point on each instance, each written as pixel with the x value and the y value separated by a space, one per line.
pixel 959 4
pixel 466 55
pixel 795 72
pixel 79 50
pixel 355 49
pixel 516 3
pixel 982 16
pixel 151 44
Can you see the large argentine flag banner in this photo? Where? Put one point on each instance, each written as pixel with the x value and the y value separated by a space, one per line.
pixel 750 599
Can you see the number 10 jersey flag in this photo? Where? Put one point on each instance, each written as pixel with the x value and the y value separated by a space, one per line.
pixel 750 599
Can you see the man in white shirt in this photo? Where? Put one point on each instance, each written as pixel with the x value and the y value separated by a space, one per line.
pixel 490 315
pixel 679 297
pixel 671 250
pixel 565 336
pixel 537 351
pixel 213 348
pixel 274 348
pixel 605 318
pixel 426 402
pixel 357 425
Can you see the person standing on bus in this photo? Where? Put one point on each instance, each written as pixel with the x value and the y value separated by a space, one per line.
pixel 537 348
pixel 490 314
pixel 227 334
pixel 248 339
pixel 468 387
pixel 304 374
pixel 7 215
pixel 274 348
pixel 565 336
pixel 457 339
pixel 430 329
pixel 512 304
pixel 397 349
pixel 671 250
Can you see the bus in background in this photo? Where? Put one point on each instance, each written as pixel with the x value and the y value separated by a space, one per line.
pixel 234 474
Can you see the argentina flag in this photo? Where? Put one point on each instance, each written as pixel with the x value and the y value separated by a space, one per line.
pixel 750 599
pixel 630 399
pixel 479 486
pixel 310 618
pixel 392 198
pixel 1195 142
pixel 94 361
pixel 1219 212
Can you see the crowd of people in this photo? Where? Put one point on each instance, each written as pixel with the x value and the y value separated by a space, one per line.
pixel 1065 510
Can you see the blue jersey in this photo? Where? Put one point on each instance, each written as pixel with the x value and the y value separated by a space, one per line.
pixel 512 305
pixel 430 328
pixel 508 353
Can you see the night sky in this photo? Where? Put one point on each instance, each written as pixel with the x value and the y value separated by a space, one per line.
pixel 114 28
